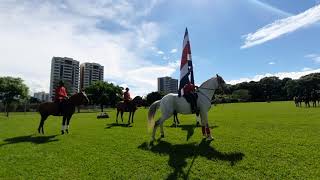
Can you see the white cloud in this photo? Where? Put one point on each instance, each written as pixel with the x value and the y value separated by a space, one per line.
pixel 160 52
pixel 32 33
pixel 173 50
pixel 307 69
pixel 271 63
pixel 165 58
pixel 314 57
pixel 281 75
pixel 282 27
pixel 271 8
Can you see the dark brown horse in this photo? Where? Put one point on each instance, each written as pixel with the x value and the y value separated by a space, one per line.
pixel 130 107
pixel 50 108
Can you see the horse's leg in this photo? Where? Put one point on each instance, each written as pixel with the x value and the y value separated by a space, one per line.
pixel 121 116
pixel 130 113
pixel 63 127
pixel 160 122
pixel 174 118
pixel 132 116
pixel 161 130
pixel 198 120
pixel 40 128
pixel 117 115
pixel 68 121
pixel 205 125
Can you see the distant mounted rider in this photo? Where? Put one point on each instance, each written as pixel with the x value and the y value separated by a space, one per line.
pixel 60 96
pixel 126 97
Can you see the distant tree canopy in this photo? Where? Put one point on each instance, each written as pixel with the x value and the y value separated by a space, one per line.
pixel 12 89
pixel 104 93
pixel 274 89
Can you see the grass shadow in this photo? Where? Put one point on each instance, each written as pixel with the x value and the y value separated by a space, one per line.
pixel 117 125
pixel 179 153
pixel 190 129
pixel 31 139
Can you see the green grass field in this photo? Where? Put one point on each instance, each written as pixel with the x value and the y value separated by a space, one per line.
pixel 252 141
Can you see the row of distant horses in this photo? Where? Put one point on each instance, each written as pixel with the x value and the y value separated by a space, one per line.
pixel 50 108
pixel 314 99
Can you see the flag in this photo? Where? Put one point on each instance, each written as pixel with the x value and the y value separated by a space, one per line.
pixel 186 70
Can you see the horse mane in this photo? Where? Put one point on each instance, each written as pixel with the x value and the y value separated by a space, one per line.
pixel 207 81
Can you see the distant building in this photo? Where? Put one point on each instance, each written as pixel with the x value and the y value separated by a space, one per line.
pixel 89 73
pixel 167 85
pixel 67 70
pixel 42 96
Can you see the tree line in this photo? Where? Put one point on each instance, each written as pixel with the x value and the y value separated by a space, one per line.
pixel 271 89
pixel 13 91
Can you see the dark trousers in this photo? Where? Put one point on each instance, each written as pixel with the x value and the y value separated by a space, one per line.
pixel 192 99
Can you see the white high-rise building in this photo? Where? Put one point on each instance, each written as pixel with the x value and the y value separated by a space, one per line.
pixel 167 85
pixel 67 70
pixel 89 73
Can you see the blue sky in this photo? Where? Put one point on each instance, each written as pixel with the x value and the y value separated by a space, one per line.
pixel 138 41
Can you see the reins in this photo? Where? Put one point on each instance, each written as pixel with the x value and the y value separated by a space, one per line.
pixel 206 88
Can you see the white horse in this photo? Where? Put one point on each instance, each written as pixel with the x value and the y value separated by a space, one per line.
pixel 171 102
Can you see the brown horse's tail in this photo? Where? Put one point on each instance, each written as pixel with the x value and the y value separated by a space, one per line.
pixel 152 111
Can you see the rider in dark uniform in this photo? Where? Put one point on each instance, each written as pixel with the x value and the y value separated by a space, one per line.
pixel 126 98
pixel 190 95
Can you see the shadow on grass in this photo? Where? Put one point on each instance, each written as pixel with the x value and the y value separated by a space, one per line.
pixel 117 125
pixel 30 138
pixel 179 153
pixel 189 128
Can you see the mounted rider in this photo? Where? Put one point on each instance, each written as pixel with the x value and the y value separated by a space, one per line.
pixel 189 92
pixel 126 98
pixel 60 96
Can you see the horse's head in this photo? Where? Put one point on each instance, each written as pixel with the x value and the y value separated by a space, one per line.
pixel 79 98
pixel 84 97
pixel 221 83
pixel 137 101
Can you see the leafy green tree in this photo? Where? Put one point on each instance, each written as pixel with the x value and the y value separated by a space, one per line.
pixel 11 90
pixel 104 93
pixel 241 95
pixel 153 96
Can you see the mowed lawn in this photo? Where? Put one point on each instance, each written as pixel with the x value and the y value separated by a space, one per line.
pixel 251 141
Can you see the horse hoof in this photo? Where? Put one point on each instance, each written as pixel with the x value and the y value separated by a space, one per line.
pixel 162 135
pixel 210 138
pixel 62 132
pixel 67 131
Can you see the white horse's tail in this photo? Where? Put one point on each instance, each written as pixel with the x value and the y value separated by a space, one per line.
pixel 152 111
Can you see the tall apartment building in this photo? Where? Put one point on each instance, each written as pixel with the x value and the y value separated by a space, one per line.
pixel 67 70
pixel 42 96
pixel 89 73
pixel 167 85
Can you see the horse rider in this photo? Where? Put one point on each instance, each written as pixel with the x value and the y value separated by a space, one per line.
pixel 60 96
pixel 189 92
pixel 126 97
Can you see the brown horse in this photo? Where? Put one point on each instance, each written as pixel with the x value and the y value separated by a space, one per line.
pixel 131 107
pixel 50 108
